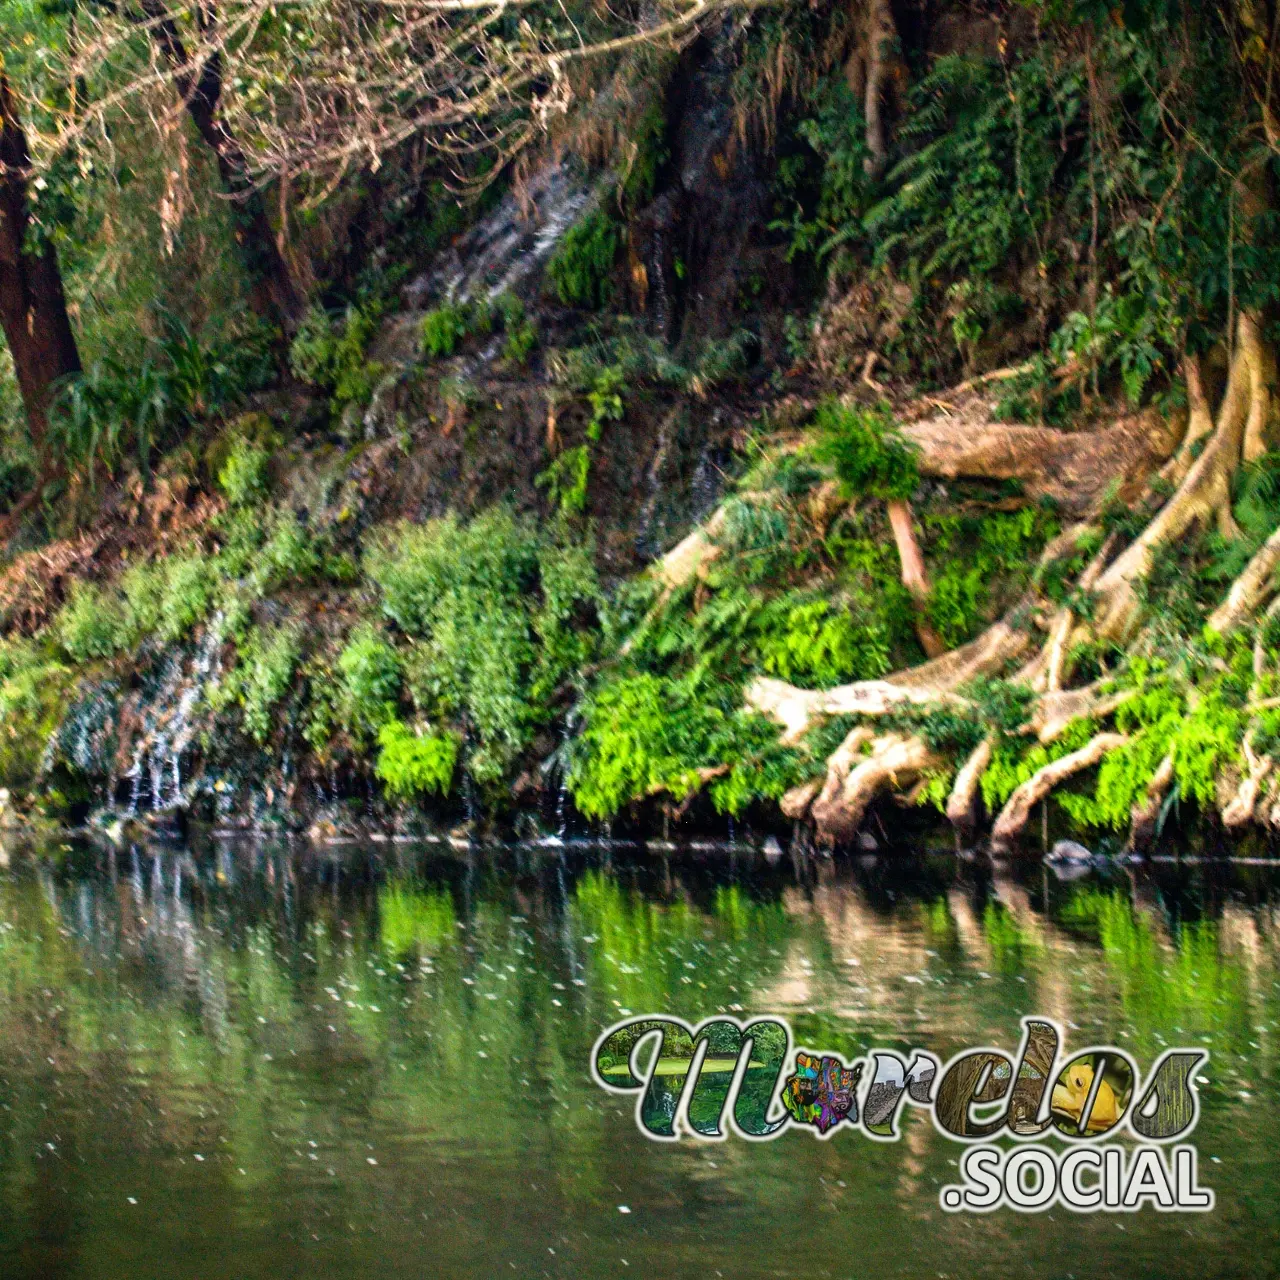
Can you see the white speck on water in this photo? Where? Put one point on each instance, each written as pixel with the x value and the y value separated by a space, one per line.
pixel 624 1208
pixel 131 1200
pixel 200 1158
pixel 370 1160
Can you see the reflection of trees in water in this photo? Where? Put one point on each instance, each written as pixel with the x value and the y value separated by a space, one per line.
pixel 296 997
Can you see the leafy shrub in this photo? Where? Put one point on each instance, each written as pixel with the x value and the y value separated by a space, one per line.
pixel 443 328
pixel 819 644
pixel 411 764
pixel 264 674
pixel 502 615
pixel 115 406
pixel 565 480
pixel 288 556
pixel 189 586
pixel 645 734
pixel 92 624
pixel 870 456
pixel 581 268
pixel 243 477
pixel 329 352
pixel 521 333
pixel 371 677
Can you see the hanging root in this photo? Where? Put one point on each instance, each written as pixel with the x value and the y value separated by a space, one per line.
pixel 1013 817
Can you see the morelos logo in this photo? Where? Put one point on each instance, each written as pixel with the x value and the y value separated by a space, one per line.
pixel 724 1074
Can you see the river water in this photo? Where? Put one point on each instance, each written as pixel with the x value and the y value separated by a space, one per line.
pixel 255 1061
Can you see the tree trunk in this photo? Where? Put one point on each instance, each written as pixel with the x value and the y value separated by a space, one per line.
pixel 33 307
pixel 881 33
pixel 275 291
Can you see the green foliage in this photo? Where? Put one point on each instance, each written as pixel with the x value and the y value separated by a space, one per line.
pixel 869 455
pixel 411 764
pixel 92 624
pixel 117 406
pixel 581 269
pixel 264 675
pixel 1201 732
pixel 818 644
pixel 502 615
pixel 371 677
pixel 33 695
pixel 646 734
pixel 521 333
pixel 329 352
pixel 824 214
pixel 981 561
pixel 1013 762
pixel 451 323
pixel 565 480
pixel 243 477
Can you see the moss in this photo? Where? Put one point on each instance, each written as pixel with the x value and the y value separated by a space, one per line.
pixel 34 688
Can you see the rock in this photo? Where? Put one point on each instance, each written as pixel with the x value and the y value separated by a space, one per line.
pixel 866 842
pixel 772 849
pixel 1069 851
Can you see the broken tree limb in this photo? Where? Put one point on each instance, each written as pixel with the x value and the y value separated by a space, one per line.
pixel 1075 469
pixel 1013 817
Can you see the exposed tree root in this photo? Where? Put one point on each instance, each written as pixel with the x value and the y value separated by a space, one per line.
pixel 1146 815
pixel 1250 589
pixel 914 577
pixel 962 803
pixel 1085 465
pixel 895 762
pixel 1239 811
pixel 1205 494
pixel 1013 817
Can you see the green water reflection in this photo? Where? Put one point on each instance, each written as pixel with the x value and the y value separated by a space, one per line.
pixel 253 1062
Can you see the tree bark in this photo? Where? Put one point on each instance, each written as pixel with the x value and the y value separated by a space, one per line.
pixel 275 291
pixel 881 33
pixel 33 307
